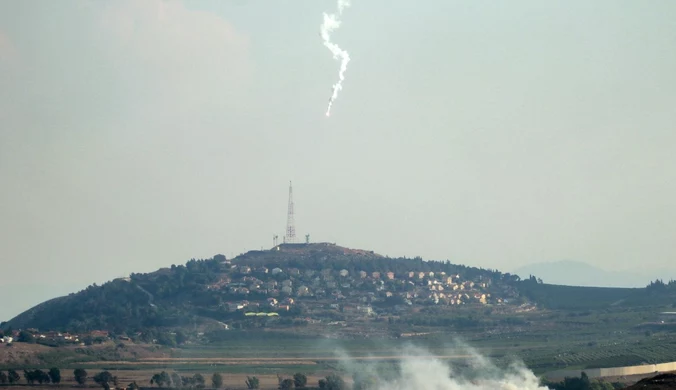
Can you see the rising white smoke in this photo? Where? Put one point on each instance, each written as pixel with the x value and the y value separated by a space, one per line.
pixel 418 369
pixel 332 22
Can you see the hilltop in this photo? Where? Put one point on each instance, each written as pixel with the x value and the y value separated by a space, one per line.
pixel 292 283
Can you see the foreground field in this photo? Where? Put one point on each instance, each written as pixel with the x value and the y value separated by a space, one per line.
pixel 544 340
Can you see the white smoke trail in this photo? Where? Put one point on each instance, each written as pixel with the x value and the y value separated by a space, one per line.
pixel 332 22
pixel 420 370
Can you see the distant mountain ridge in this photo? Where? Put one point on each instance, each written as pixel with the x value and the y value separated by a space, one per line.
pixel 577 273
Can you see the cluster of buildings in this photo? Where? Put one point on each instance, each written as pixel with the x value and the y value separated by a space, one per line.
pixel 60 337
pixel 277 289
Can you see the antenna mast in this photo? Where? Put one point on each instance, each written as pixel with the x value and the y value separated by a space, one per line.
pixel 290 237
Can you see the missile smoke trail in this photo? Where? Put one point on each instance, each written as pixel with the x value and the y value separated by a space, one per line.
pixel 332 22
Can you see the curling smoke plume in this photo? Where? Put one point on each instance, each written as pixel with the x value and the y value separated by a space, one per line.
pixel 417 369
pixel 332 22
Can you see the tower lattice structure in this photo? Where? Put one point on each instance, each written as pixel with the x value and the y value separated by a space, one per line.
pixel 290 236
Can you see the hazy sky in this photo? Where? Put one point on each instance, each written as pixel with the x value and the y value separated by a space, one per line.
pixel 137 134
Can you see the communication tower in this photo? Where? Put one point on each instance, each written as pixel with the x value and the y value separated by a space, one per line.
pixel 290 236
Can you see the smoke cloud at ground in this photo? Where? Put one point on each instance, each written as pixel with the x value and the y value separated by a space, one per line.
pixel 458 367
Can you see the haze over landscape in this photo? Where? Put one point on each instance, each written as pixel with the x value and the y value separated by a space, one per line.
pixel 136 135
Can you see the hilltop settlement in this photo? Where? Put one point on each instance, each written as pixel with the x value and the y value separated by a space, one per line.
pixel 290 285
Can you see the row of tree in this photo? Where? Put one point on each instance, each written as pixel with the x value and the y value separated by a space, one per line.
pixel 582 383
pixel 163 379
pixel 197 381
pixel 31 376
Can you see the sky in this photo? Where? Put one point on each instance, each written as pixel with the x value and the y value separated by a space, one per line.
pixel 139 134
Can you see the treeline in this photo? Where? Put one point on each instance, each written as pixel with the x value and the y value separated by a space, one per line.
pixel 297 381
pixel 582 383
pixel 31 376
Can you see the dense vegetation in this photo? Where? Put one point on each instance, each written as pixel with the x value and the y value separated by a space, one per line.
pixel 577 298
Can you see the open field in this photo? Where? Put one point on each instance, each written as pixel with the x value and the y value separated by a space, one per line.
pixel 546 340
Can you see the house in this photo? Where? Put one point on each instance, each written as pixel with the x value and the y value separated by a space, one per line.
pixel 344 273
pixel 262 270
pixel 368 310
pixel 272 301
pixel 390 275
pixel 421 275
pixel 375 275
pixel 276 271
pixel 363 274
pixel 303 290
pixel 288 301
pixel 287 283
pixel 411 274
pixel 244 269
pixel 286 290
pixel 294 271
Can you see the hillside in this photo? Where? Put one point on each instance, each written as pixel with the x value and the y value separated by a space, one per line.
pixel 303 288
pixel 295 282
pixel 556 297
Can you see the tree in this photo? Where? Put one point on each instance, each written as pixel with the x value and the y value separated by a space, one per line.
pixel 216 381
pixel 161 379
pixel 252 382
pixel 80 376
pixel 25 337
pixel 55 375
pixel 29 376
pixel 334 382
pixel 299 380
pixel 180 337
pixel 13 376
pixel 198 380
pixel 286 384
pixel 176 380
pixel 33 376
pixel 3 378
pixel 41 376
pixel 104 378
